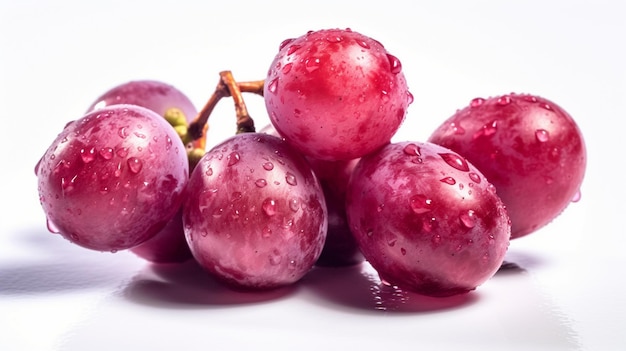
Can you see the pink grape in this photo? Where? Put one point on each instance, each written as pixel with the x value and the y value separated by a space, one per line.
pixel 151 94
pixel 530 148
pixel 113 178
pixel 336 94
pixel 169 245
pixel 426 219
pixel 255 215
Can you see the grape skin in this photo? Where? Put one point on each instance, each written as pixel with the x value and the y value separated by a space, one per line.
pixel 426 220
pixel 113 178
pixel 529 147
pixel 336 94
pixel 255 215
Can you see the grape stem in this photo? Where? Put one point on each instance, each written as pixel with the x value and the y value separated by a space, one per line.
pixel 226 86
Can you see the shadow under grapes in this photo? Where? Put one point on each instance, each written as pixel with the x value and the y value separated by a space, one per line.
pixel 187 285
pixel 360 289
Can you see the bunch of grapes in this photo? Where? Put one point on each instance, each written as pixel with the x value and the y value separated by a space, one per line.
pixel 323 184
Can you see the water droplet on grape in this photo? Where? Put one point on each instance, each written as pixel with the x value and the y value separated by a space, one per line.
pixel 290 178
pixel 409 97
pixel 294 204
pixel 88 155
pixel 477 102
pixel 403 251
pixel 273 85
pixel 266 232
pixel 392 242
pixel 122 152
pixel 530 98
pixel 52 228
pixel 474 177
pixel 269 207
pixel 140 135
pixel 448 180
pixel 312 64
pixel 420 203
pixel 268 166
pixel 546 106
pixel 468 218
pixel 436 239
pixel 134 165
pixel 577 196
pixel 412 150
pixel 122 132
pixel 542 135
pixel 457 129
pixel 287 68
pixel 261 183
pixel 488 129
pixel 293 48
pixel 504 100
pixel 233 158
pixel 395 64
pixel 384 96
pixel 455 161
pixel 334 39
pixel 284 43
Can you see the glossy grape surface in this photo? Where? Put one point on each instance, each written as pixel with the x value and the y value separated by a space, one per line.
pixel 336 94
pixel 151 94
pixel 113 178
pixel 530 148
pixel 255 215
pixel 426 219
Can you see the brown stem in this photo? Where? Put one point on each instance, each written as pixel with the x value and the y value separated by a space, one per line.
pixel 245 124
pixel 255 87
pixel 197 128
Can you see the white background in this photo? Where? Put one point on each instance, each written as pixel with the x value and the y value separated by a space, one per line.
pixel 56 57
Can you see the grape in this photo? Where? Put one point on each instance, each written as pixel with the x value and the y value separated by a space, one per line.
pixel 529 148
pixel 255 215
pixel 169 245
pixel 336 94
pixel 426 219
pixel 113 178
pixel 340 248
pixel 151 94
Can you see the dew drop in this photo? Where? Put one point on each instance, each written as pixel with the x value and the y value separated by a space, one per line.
pixel 291 179
pixel 168 143
pixel 233 158
pixel 474 177
pixel 455 161
pixel 287 68
pixel 261 183
pixel 134 165
pixel 448 180
pixel 292 49
pixel 88 155
pixel 122 132
pixel 542 135
pixel 530 98
pixel 209 172
pixel 273 85
pixel 268 166
pixel 409 97
pixel 457 129
pixel 403 251
pixel 284 43
pixel 503 100
pixel 477 102
pixel 436 239
pixel 420 203
pixel 412 150
pixel 380 208
pixel 577 196
pixel 468 218
pixel 546 106
pixel 392 242
pixel 52 228
pixel 294 204
pixel 266 232
pixel 269 207
pixel 487 130
pixel 312 64
pixel 363 44
pixel 395 64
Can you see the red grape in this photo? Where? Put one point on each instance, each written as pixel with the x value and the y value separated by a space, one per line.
pixel 113 178
pixel 336 94
pixel 151 94
pixel 426 219
pixel 528 147
pixel 255 215
pixel 340 248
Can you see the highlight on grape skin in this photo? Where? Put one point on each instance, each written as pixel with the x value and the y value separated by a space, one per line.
pixel 336 94
pixel 426 219
pixel 113 178
pixel 530 148
pixel 256 216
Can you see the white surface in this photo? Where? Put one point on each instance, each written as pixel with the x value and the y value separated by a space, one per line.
pixel 56 57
